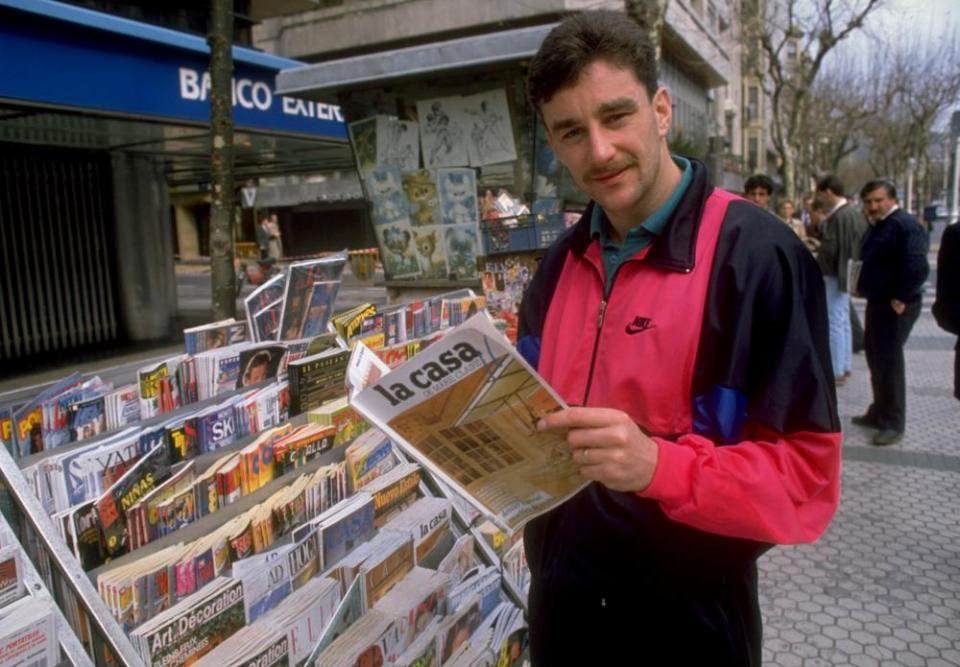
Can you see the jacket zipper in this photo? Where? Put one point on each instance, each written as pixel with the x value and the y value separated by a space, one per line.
pixel 596 346
pixel 607 291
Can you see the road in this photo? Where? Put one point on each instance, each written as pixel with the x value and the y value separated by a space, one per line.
pixel 193 293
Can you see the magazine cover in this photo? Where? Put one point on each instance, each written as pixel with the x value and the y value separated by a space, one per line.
pixel 142 478
pixel 28 418
pixel 258 364
pixel 266 321
pixel 28 634
pixel 298 293
pixel 319 308
pixel 264 297
pixel 490 139
pixel 213 335
pixel 194 627
pixel 467 409
pixel 348 611
pixel 11 575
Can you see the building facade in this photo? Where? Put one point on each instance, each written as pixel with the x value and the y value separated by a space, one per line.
pixel 700 55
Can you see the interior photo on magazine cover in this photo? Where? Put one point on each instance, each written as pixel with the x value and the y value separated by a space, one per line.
pixel 467 408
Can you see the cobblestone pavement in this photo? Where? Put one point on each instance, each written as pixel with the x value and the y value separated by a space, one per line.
pixel 882 586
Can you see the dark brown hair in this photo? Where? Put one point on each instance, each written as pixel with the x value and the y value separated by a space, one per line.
pixel 583 39
pixel 876 184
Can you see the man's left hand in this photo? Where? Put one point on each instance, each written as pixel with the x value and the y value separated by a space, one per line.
pixel 898 306
pixel 607 445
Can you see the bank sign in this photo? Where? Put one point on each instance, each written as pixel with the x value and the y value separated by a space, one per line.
pixel 145 72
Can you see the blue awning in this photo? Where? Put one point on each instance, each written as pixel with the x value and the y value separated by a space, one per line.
pixel 62 56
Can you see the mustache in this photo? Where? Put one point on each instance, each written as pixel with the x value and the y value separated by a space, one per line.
pixel 608 169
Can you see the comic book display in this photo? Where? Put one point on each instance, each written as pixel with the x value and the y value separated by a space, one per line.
pixel 421 181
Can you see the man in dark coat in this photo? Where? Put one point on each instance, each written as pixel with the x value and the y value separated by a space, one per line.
pixel 894 255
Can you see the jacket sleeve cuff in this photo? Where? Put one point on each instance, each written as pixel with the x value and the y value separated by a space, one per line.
pixel 671 478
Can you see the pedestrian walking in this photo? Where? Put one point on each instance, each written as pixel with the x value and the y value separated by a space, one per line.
pixel 275 242
pixel 946 306
pixel 894 256
pixel 840 233
pixel 689 327
pixel 264 234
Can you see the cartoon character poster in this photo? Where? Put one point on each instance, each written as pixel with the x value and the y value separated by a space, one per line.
pixel 421 190
pixel 397 251
pixel 443 135
pixel 490 136
pixel 363 136
pixel 385 190
pixel 458 196
pixel 462 243
pixel 431 255
pixel 398 143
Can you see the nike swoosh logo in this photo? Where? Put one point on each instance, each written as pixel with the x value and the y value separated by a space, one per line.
pixel 639 325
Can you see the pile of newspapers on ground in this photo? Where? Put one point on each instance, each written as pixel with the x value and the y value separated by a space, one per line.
pixel 28 623
pixel 359 501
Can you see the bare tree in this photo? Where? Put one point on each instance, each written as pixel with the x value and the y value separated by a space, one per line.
pixel 222 275
pixel 914 83
pixel 839 108
pixel 795 36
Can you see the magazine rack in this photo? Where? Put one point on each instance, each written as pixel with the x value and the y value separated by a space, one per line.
pixel 66 584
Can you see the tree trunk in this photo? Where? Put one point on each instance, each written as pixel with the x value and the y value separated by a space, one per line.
pixel 222 275
pixel 788 170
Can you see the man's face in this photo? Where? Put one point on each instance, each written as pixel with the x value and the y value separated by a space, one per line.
pixel 759 196
pixel 877 203
pixel 608 132
pixel 257 374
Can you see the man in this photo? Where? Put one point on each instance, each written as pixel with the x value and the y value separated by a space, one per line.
pixel 690 328
pixel 946 307
pixel 840 233
pixel 894 255
pixel 758 189
pixel 264 234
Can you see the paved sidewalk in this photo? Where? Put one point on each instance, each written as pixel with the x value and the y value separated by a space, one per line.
pixel 882 587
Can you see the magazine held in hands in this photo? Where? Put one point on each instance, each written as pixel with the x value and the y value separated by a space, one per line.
pixel 467 408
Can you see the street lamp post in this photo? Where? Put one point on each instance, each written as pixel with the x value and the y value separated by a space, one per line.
pixel 911 165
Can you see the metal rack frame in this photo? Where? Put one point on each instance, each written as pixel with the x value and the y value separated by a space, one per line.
pixel 101 622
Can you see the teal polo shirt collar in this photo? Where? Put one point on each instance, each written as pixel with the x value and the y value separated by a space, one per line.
pixel 640 236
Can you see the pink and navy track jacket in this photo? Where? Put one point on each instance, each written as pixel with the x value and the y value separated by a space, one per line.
pixel 714 340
